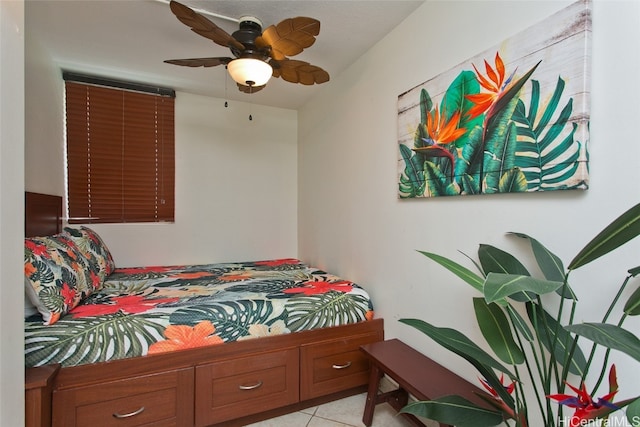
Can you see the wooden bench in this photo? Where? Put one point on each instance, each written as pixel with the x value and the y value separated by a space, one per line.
pixel 416 375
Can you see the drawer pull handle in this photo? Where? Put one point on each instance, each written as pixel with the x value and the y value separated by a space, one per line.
pixel 345 366
pixel 129 415
pixel 250 387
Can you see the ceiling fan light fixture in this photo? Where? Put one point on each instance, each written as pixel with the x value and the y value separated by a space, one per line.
pixel 250 71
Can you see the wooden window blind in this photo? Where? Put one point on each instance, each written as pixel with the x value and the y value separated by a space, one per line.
pixel 120 155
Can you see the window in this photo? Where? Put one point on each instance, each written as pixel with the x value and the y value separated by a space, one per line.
pixel 120 152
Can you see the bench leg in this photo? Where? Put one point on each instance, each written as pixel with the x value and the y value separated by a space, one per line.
pixel 372 395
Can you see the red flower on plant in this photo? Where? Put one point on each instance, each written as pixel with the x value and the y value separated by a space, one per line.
pixel 586 408
pixel 131 304
pixel 497 402
pixel 182 337
pixel 493 392
pixel 320 287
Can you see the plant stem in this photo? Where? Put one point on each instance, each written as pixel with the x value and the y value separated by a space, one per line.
pixel 528 365
pixel 604 320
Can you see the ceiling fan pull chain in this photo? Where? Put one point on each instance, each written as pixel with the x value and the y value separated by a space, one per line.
pixel 250 116
pixel 226 103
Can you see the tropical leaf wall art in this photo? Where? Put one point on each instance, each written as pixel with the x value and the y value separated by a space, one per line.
pixel 515 118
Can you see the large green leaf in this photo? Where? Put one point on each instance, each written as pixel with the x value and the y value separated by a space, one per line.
pixel 495 328
pixel 610 336
pixel 325 310
pixel 499 148
pixel 633 413
pixel 556 339
pixel 454 410
pixel 468 165
pixel 455 100
pixel 616 234
pixel 494 260
pixel 632 307
pixel 462 272
pixel 231 319
pixel 458 343
pixel 498 286
pixel 550 264
pixel 93 339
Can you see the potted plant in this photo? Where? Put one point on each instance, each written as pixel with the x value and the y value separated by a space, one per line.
pixel 528 322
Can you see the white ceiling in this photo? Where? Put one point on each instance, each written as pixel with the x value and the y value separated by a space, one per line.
pixel 130 39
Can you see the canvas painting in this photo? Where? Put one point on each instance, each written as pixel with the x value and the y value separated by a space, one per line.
pixel 514 118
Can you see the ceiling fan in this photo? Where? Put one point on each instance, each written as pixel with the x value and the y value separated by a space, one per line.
pixel 258 55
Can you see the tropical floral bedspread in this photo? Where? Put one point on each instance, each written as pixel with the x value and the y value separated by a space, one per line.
pixel 151 310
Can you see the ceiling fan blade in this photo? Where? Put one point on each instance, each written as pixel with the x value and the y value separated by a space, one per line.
pixel 249 89
pixel 291 36
pixel 199 62
pixel 202 26
pixel 295 71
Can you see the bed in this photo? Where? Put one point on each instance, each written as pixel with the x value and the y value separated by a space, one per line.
pixel 191 345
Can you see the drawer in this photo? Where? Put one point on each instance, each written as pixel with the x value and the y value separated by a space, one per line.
pixel 331 366
pixel 162 399
pixel 247 385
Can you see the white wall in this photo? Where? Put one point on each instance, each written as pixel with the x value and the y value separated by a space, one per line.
pixel 236 189
pixel 44 114
pixel 11 212
pixel 236 180
pixel 352 223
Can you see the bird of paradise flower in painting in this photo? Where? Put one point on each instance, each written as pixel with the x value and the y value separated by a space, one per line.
pixel 482 138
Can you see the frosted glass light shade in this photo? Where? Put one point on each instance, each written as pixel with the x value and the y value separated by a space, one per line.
pixel 250 71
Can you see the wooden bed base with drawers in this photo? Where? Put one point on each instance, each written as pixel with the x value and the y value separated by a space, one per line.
pixel 232 384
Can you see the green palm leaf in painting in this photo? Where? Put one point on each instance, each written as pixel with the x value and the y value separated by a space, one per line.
pixel 455 99
pixel 412 180
pixel 499 152
pixel 325 310
pixel 92 339
pixel 231 319
pixel 547 152
pixel 437 183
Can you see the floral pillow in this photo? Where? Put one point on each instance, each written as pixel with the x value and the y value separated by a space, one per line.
pixel 94 250
pixel 58 274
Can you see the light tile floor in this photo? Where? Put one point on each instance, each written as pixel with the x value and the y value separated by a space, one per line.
pixel 346 412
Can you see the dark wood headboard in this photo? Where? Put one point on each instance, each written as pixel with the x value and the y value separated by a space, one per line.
pixel 42 214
